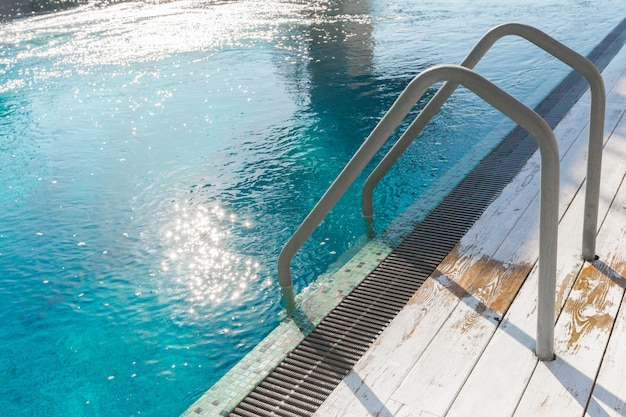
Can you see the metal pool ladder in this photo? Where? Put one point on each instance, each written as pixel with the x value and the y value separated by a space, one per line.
pixel 455 75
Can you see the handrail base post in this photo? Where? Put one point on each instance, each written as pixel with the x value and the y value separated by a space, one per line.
pixel 369 227
pixel 288 299
pixel 590 257
pixel 547 357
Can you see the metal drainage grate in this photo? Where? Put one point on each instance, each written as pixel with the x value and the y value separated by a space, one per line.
pixel 299 385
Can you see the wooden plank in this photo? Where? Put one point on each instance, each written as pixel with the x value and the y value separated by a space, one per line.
pixel 506 365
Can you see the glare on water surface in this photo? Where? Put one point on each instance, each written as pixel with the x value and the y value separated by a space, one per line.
pixel 195 244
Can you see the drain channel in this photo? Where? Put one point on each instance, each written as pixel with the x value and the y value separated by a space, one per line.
pixel 301 383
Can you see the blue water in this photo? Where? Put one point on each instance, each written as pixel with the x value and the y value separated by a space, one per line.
pixel 154 158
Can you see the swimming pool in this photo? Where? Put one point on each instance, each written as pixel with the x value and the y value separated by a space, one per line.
pixel 155 157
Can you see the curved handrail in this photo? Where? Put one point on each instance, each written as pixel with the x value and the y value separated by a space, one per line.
pixel 596 128
pixel 512 108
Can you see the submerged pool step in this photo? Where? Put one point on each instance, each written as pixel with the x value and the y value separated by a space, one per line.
pixel 301 383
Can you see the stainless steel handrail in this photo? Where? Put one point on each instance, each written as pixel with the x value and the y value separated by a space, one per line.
pixel 512 108
pixel 596 128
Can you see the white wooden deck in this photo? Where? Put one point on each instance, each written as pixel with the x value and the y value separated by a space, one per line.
pixel 463 346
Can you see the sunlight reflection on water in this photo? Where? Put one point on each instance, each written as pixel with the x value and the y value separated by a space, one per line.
pixel 194 245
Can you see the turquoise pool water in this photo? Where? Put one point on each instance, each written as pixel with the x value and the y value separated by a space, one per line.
pixel 154 157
